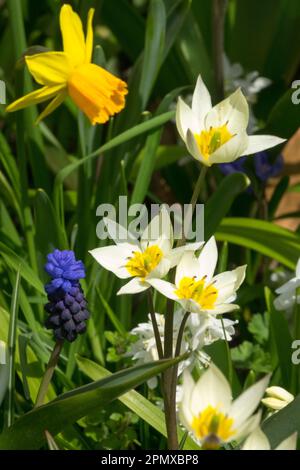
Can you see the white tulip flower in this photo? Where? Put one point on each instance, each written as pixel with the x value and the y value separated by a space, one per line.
pixel 218 134
pixel 277 398
pixel 196 288
pixel 257 440
pixel 208 411
pixel 151 257
pixel 288 292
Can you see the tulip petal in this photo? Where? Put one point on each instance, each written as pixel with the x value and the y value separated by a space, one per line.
pixel 35 97
pixel 187 267
pixel 229 152
pixel 177 253
pixel 201 103
pixel 289 444
pixel 248 401
pixel 194 150
pixel 160 227
pixel 72 34
pixel 258 143
pixel 257 441
pixel 164 287
pixel 133 287
pixel 211 389
pixel 208 259
pixel 114 258
pixel 233 111
pixel 185 119
pixel 49 68
pixel 118 233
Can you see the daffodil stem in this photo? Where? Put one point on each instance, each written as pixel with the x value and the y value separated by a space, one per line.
pixel 49 373
pixel 155 326
pixel 218 19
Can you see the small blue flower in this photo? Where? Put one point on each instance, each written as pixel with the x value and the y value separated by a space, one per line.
pixel 264 168
pixel 64 269
pixel 233 167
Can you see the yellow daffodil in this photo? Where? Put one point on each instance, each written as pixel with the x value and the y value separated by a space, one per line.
pixel 218 134
pixel 98 93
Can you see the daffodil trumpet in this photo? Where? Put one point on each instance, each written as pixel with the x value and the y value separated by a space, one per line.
pixel 95 91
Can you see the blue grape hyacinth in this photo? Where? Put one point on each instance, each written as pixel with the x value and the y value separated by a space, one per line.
pixel 67 306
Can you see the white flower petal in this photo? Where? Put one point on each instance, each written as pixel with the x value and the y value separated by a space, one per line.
pixel 160 228
pixel 211 389
pixel 219 309
pixel 247 402
pixel 185 119
pixel 185 412
pixel 288 444
pixel 164 287
pixel 257 143
pixel 201 104
pixel 289 286
pixel 279 393
pixel 234 111
pixel 194 150
pixel 248 426
pixel 133 287
pixel 161 269
pixel 177 253
pixel 231 151
pixel 114 258
pixel 187 267
pixel 298 268
pixel 257 441
pixel 118 233
pixel 208 259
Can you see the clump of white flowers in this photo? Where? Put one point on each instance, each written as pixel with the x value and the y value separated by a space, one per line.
pixel 200 331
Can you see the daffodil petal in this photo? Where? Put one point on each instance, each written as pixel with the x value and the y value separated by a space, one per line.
pixel 49 68
pixel 73 36
pixel 89 37
pixel 55 103
pixel 35 97
pixel 257 143
pixel 233 111
pixel 201 103
pixel 233 149
pixel 98 93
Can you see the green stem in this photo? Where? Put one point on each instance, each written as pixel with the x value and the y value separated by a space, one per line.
pixel 169 382
pixel 228 355
pixel 155 326
pixel 49 373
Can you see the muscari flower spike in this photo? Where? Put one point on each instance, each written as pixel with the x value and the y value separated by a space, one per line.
pixel 67 307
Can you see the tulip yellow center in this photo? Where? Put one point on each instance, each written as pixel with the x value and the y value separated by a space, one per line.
pixel 209 141
pixel 189 288
pixel 142 263
pixel 212 427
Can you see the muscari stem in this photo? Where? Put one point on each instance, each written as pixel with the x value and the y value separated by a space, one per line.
pixel 49 373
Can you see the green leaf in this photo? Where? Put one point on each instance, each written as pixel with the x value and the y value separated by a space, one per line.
pixel 283 424
pixel 218 205
pixel 259 327
pixel 266 238
pixel 28 431
pixel 154 48
pixel 134 401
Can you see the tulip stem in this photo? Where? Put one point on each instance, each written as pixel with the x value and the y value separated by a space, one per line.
pixel 218 19
pixel 49 373
pixel 155 326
